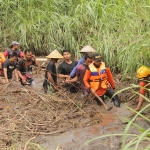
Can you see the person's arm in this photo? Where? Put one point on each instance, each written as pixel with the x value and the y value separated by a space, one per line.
pixel 16 75
pixel 73 72
pixel 86 81
pixel 62 75
pixel 50 79
pixel 5 75
pixel 110 77
pixel 76 77
pixel 19 73
pixel 35 61
pixel 72 80
pixel 21 76
pixel 142 92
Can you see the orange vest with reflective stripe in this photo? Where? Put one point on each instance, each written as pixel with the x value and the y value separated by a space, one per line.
pixel 98 80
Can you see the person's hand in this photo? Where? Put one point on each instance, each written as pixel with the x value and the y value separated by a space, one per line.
pixel 23 81
pixel 92 91
pixel 57 87
pixel 7 81
pixel 33 56
pixel 67 80
pixel 69 77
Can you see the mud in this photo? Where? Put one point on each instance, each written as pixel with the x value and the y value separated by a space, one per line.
pixel 63 120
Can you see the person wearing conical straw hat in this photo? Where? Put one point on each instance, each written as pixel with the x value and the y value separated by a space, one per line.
pixel 85 50
pixel 50 74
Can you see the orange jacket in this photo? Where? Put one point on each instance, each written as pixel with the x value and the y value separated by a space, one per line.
pixel 2 59
pixel 99 82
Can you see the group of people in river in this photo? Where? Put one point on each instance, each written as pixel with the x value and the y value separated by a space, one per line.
pixel 90 73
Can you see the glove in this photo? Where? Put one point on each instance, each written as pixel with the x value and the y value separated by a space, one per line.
pixel 103 71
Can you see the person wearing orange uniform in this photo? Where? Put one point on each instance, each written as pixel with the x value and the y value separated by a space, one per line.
pixel 143 74
pixel 99 80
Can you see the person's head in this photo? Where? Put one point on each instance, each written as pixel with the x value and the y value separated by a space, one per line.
pixel 143 72
pixel 13 57
pixel 54 60
pixel 28 54
pixel 66 54
pixel 97 59
pixel 87 49
pixel 14 45
pixel 54 56
pixel 88 58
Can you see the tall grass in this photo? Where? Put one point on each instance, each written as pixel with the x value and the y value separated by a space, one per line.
pixel 119 30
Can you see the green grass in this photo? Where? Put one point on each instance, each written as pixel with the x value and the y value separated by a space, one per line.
pixel 119 30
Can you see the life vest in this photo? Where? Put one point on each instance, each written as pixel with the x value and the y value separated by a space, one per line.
pixel 10 51
pixel 2 59
pixel 97 78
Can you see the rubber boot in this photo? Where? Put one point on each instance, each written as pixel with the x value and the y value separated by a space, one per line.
pixel 116 101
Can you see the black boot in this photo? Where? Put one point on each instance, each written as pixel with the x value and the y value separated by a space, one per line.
pixel 116 101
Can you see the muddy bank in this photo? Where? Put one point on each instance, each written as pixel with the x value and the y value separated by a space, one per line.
pixel 64 119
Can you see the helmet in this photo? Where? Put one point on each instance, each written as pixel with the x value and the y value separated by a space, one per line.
pixel 143 72
pixel 54 54
pixel 87 49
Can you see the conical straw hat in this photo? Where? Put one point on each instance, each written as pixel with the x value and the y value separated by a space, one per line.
pixel 87 49
pixel 54 54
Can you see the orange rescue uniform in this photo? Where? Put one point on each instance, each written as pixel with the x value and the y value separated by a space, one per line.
pixel 100 82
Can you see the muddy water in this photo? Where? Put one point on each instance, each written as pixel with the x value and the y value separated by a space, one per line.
pixel 76 138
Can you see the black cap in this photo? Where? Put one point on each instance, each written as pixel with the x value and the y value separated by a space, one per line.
pixel 97 57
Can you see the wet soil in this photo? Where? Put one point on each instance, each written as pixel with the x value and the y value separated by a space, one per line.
pixel 64 120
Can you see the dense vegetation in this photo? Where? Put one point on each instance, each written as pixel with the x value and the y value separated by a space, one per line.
pixel 119 29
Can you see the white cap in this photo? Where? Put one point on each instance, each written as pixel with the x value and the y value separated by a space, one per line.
pixel 14 43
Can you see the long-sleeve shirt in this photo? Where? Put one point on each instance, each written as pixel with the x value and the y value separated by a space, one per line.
pixel 73 72
pixel 99 91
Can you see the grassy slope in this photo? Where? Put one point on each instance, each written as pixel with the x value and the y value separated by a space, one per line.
pixel 119 30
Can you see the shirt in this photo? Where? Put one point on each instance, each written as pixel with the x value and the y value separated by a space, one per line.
pixel 51 67
pixel 73 72
pixel 10 67
pixel 10 51
pixel 65 68
pixel 80 73
pixel 25 66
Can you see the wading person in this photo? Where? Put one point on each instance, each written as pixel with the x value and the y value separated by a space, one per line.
pixel 143 74
pixel 14 47
pixel 9 66
pixel 65 69
pixel 85 50
pixel 81 71
pixel 25 68
pixel 50 74
pixel 98 79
